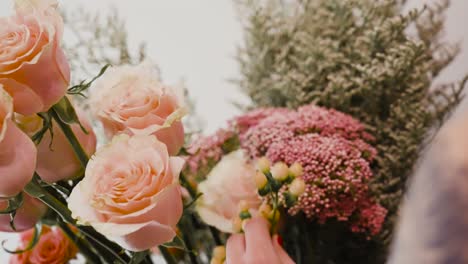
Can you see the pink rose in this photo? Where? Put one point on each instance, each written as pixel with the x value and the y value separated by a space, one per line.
pixel 56 159
pixel 53 247
pixel 229 182
pixel 26 216
pixel 132 100
pixel 33 67
pixel 256 246
pixel 17 151
pixel 131 192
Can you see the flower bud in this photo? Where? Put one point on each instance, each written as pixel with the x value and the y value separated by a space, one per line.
pixel 265 210
pixel 237 225
pixel 280 171
pixel 274 216
pixel 297 187
pixel 263 164
pixel 260 180
pixel 296 170
pixel 243 206
pixel 216 261
pixel 219 253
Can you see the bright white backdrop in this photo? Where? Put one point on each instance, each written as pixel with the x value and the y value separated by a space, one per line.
pixel 196 40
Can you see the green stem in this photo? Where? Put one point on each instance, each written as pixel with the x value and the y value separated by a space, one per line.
pixel 193 194
pixel 77 148
pixel 275 211
pixel 104 246
pixel 186 227
pixel 167 255
pixel 83 246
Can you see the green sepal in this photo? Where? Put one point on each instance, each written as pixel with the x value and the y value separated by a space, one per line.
pixel 265 190
pixel 290 199
pixel 245 215
pixel 66 112
pixel 80 88
pixel 31 244
pixel 14 203
pixel 46 127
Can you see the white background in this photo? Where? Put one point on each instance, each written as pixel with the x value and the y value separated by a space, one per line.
pixel 196 40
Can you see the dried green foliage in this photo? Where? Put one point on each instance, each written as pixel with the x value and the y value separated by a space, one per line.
pixel 96 40
pixel 361 57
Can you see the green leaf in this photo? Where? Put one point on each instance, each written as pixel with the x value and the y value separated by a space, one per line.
pixel 66 113
pixel 187 206
pixel 80 88
pixel 177 242
pixel 31 244
pixel 14 203
pixel 33 188
pixel 138 257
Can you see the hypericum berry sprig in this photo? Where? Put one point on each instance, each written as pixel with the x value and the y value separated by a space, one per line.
pixel 270 179
pixel 219 255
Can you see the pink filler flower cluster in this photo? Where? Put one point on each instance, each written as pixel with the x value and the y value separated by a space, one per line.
pixel 332 147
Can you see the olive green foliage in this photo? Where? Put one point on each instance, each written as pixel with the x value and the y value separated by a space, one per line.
pixel 362 57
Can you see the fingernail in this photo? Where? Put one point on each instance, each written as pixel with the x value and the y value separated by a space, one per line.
pixel 280 240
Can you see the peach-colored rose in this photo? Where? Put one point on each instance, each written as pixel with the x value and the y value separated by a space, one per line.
pixel 33 67
pixel 17 151
pixel 56 159
pixel 26 216
pixel 230 181
pixel 256 246
pixel 132 100
pixel 131 192
pixel 53 247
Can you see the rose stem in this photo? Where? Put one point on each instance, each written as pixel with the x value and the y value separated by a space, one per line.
pixel 167 255
pixel 77 148
pixel 193 194
pixel 186 227
pixel 34 189
pixel 84 247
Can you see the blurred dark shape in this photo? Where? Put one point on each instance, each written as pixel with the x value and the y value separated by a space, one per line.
pixel 433 227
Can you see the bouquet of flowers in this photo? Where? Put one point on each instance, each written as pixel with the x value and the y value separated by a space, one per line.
pixel 305 176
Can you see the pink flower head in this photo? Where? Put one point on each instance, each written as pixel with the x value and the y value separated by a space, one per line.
pixel 53 247
pixel 26 216
pixel 17 151
pixel 33 67
pixel 131 192
pixel 133 100
pixel 206 151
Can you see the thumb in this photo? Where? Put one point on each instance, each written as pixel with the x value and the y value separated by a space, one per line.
pixel 283 256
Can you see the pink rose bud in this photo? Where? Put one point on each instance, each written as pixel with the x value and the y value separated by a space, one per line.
pixel 131 193
pixel 132 100
pixel 256 245
pixel 53 247
pixel 56 159
pixel 229 182
pixel 26 216
pixel 33 67
pixel 17 151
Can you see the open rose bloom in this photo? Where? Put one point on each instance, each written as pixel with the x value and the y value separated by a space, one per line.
pixel 132 100
pixel 131 192
pixel 231 181
pixel 33 67
pixel 53 247
pixel 17 151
